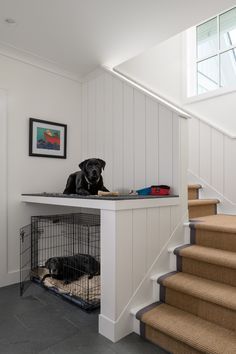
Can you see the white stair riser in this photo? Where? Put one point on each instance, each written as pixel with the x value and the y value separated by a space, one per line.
pixel 155 291
pixel 187 235
pixel 136 326
pixel 172 262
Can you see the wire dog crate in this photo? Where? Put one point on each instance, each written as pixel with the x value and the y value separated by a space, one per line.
pixel 62 253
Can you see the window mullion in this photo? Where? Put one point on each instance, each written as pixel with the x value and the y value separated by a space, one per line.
pixel 207 57
pixel 228 49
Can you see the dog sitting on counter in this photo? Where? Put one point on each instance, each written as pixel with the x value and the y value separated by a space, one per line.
pixel 89 180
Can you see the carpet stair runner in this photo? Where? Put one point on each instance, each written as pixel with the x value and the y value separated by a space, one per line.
pixel 202 207
pixel 197 308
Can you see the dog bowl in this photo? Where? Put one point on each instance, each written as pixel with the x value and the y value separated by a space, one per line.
pixel 160 190
pixel 144 191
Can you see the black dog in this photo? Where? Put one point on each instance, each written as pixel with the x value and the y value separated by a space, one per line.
pixel 89 180
pixel 71 268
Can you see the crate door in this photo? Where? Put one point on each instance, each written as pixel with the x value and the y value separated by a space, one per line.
pixel 25 257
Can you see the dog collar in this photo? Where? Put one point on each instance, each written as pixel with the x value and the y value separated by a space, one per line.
pixel 89 183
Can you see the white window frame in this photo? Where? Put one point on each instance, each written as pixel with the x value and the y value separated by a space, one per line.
pixel 191 61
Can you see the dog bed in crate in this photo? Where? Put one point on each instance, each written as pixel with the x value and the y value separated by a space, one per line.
pixel 84 292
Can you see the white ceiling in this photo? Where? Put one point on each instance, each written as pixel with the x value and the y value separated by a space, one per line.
pixel 79 35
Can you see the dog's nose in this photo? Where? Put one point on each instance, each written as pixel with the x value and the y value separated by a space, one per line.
pixel 94 172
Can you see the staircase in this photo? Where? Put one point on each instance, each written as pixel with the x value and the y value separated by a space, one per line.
pixel 196 311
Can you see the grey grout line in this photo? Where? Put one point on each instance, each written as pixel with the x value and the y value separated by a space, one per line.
pixel 39 300
pixel 70 321
pixel 21 322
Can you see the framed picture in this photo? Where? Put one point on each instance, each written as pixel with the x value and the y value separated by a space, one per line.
pixel 47 139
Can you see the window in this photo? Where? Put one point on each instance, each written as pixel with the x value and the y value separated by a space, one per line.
pixel 216 52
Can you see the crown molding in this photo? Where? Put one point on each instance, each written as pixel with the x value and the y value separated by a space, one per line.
pixel 29 58
pixel 99 70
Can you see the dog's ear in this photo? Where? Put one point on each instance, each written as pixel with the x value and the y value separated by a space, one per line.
pixel 82 164
pixel 102 163
pixel 47 263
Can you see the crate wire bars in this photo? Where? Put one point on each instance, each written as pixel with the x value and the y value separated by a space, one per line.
pixel 73 242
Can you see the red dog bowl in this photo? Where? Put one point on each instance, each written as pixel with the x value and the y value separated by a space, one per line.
pixel 160 190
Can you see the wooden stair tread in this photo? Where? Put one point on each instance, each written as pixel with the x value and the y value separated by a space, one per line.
pixel 197 333
pixel 219 222
pixel 208 255
pixel 208 290
pixel 201 202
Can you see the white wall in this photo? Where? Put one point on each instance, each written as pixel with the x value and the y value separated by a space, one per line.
pixel 159 68
pixel 31 92
pixel 163 70
pixel 218 111
pixel 132 132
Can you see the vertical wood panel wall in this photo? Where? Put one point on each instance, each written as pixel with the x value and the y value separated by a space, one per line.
pixel 143 142
pixel 131 131
pixel 212 158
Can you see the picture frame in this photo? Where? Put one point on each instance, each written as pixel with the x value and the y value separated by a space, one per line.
pixel 47 139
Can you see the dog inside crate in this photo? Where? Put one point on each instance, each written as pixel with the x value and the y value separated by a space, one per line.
pixel 65 256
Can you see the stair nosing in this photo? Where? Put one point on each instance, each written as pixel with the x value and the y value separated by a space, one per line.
pixel 201 296
pixel 202 202
pixel 201 224
pixel 220 263
pixel 195 186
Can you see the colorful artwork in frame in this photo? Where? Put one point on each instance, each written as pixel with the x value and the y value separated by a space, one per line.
pixel 47 139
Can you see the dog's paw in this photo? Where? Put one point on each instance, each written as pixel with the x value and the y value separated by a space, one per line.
pixel 83 192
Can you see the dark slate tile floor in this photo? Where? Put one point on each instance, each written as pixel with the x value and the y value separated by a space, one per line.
pixel 42 323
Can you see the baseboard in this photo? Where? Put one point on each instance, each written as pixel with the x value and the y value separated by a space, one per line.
pixel 9 278
pixel 112 330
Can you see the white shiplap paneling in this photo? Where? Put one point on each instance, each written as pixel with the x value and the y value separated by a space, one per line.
pixel 108 131
pixel 92 134
pixel 230 169
pixel 153 235
pixel 152 124
pixel 128 163
pixel 84 120
pixel 139 140
pixel 135 134
pixel 193 155
pixel 124 251
pixel 165 147
pixel 100 119
pixel 139 246
pixel 217 160
pixel 205 152
pixel 175 160
pixel 165 225
pixel 117 115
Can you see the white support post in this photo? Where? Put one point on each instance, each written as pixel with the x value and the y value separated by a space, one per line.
pixel 116 269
